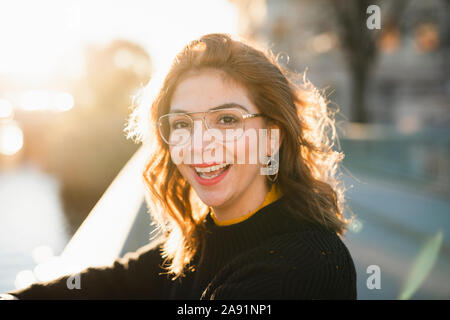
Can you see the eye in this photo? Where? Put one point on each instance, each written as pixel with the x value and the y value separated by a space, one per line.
pixel 179 124
pixel 227 119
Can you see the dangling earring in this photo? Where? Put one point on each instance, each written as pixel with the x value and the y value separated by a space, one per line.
pixel 272 163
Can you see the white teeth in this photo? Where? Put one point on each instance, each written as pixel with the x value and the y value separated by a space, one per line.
pixel 211 168
pixel 208 177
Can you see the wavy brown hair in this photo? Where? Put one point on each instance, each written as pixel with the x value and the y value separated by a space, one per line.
pixel 307 162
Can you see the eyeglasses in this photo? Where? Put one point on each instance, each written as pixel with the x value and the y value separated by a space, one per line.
pixel 176 128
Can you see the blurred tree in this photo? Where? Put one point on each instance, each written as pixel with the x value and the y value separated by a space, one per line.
pixel 359 43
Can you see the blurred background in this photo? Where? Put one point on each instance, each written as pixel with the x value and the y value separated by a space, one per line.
pixel 68 73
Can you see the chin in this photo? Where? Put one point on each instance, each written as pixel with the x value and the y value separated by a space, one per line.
pixel 216 190
pixel 212 198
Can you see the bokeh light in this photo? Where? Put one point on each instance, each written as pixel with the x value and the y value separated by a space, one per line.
pixel 24 278
pixel 6 109
pixel 38 100
pixel 42 254
pixel 11 138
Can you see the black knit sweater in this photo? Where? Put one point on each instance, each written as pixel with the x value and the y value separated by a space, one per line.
pixel 271 255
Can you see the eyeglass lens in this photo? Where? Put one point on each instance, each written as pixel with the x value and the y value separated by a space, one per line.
pixel 176 128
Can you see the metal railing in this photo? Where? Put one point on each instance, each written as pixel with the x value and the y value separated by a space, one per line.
pixel 422 155
pixel 105 234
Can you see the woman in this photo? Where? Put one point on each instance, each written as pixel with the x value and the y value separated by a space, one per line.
pixel 232 228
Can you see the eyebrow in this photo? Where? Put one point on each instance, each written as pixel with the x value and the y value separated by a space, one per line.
pixel 222 106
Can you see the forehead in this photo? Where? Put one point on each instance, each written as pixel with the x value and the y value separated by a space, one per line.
pixel 207 89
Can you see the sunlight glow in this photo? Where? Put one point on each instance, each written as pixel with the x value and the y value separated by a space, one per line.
pixel 6 109
pixel 42 254
pixel 356 226
pixel 11 138
pixel 49 270
pixel 46 32
pixel 34 35
pixel 24 278
pixel 46 100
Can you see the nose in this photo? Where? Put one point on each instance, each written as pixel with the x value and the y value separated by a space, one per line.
pixel 197 133
pixel 198 143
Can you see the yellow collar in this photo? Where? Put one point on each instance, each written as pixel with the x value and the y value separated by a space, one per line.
pixel 273 195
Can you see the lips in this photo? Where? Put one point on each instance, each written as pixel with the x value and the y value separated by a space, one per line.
pixel 210 174
pixel 203 165
pixel 210 169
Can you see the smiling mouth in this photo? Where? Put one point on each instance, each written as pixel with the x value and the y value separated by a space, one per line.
pixel 211 172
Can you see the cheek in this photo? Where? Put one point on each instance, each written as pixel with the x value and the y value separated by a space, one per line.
pixel 185 172
pixel 246 149
pixel 246 166
pixel 179 155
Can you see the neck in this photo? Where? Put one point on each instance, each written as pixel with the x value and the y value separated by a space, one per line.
pixel 247 202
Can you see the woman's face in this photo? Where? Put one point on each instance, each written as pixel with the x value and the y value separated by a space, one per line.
pixel 201 92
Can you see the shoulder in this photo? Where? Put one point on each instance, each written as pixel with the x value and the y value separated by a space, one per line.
pixel 316 265
pixel 307 247
pixel 309 264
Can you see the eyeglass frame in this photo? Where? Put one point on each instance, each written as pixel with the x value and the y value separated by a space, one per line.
pixel 245 116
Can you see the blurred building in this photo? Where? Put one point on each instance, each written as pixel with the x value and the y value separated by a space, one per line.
pixel 409 85
pixel 406 99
